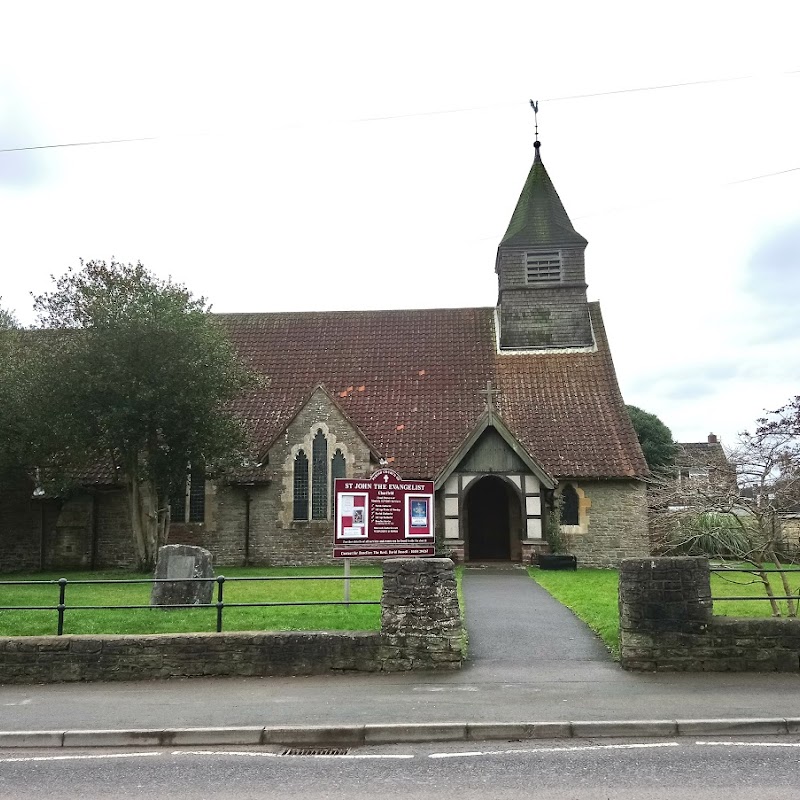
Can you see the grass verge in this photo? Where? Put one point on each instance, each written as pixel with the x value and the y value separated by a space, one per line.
pixel 154 620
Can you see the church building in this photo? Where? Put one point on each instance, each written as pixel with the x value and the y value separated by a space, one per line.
pixel 513 411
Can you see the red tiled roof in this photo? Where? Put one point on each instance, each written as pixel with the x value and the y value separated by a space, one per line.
pixel 411 380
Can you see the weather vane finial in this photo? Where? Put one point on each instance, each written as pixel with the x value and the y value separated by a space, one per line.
pixel 535 107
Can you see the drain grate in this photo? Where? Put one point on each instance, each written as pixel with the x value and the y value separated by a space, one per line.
pixel 315 751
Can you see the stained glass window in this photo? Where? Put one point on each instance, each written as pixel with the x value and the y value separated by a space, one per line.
pixel 337 471
pixel 177 506
pixel 197 494
pixel 569 508
pixel 301 486
pixel 319 476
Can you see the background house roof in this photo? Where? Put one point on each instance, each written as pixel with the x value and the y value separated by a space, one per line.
pixel 701 454
pixel 411 381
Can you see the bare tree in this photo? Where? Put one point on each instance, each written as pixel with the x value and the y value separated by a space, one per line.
pixel 736 511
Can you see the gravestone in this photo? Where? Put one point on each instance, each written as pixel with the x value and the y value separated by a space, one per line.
pixel 176 561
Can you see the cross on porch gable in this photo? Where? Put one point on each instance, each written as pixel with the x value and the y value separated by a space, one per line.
pixel 490 395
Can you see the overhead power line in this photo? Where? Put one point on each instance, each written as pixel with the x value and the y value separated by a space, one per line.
pixel 629 90
pixel 77 144
pixel 765 175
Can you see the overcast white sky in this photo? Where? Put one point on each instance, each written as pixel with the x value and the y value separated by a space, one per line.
pixel 365 155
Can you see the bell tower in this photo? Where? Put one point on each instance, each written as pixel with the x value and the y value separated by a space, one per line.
pixel 541 272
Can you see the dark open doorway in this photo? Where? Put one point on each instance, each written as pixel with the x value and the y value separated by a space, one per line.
pixel 491 512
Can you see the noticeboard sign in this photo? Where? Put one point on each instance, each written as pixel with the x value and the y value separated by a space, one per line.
pixel 383 516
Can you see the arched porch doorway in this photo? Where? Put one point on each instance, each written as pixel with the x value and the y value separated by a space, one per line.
pixel 492 521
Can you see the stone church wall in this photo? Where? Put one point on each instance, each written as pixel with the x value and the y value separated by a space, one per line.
pixel 115 549
pixel 20 529
pixel 616 524
pixel 275 538
pixel 226 537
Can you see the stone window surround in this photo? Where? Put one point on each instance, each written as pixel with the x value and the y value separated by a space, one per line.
pixel 456 489
pixel 287 494
pixel 584 504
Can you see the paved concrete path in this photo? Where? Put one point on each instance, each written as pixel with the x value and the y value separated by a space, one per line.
pixel 514 624
pixel 517 673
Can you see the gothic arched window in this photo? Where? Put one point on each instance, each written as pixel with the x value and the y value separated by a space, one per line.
pixel 319 476
pixel 188 503
pixel 569 506
pixel 301 486
pixel 337 471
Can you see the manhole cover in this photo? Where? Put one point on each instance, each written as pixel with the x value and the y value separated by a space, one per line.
pixel 315 751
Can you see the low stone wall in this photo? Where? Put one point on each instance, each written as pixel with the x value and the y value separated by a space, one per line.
pixel 420 630
pixel 667 624
pixel 51 659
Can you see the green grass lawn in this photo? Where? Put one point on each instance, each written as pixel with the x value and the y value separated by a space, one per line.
pixel 147 620
pixel 738 584
pixel 592 595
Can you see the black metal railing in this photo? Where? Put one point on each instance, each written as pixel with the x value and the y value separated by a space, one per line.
pixel 220 605
pixel 755 571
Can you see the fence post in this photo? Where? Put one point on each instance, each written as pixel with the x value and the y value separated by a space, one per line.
pixel 220 605
pixel 347 583
pixel 62 590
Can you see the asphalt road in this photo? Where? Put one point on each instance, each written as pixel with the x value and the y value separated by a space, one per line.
pixel 710 768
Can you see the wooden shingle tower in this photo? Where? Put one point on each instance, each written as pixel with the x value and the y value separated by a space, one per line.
pixel 541 272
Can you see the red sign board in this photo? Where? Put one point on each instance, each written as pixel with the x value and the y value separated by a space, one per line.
pixel 383 517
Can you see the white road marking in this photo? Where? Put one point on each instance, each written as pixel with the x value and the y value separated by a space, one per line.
pixel 536 750
pixel 255 754
pixel 92 757
pixel 24 702
pixel 259 754
pixel 749 744
pixel 444 689
pixel 371 755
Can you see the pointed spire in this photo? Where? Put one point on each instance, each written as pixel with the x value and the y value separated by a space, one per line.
pixel 539 220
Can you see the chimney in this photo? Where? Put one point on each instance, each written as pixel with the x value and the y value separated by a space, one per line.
pixel 712 438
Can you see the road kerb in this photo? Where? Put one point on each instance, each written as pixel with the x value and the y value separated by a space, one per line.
pixel 397 733
pixel 732 727
pixel 31 739
pixel 314 735
pixel 181 737
pixel 623 728
pixel 793 725
pixel 421 732
pixel 114 738
pixel 485 731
